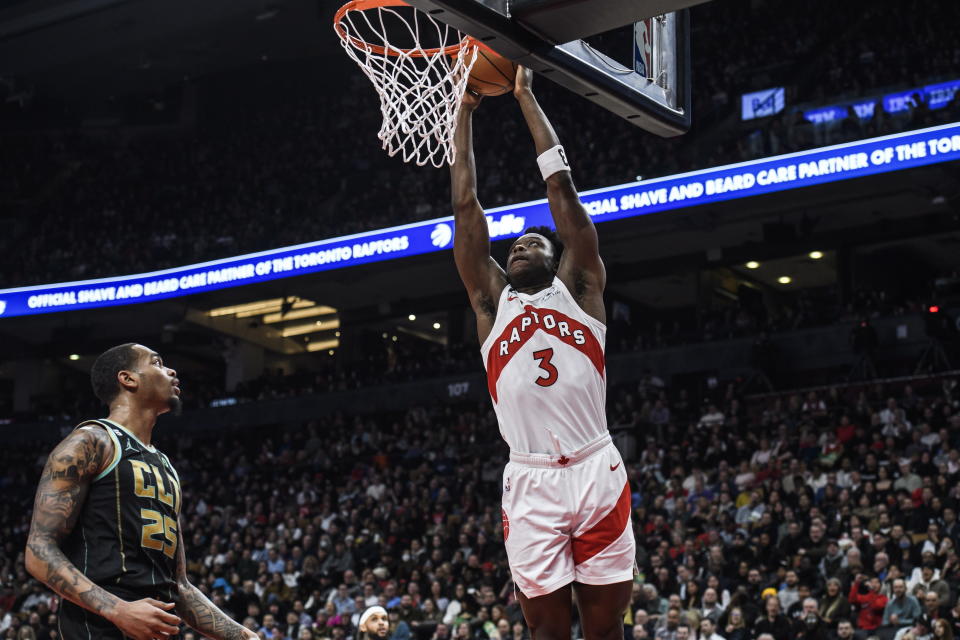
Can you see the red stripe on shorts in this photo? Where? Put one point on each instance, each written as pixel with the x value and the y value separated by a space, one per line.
pixel 604 532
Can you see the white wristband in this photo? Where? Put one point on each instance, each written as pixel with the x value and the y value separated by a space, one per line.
pixel 553 160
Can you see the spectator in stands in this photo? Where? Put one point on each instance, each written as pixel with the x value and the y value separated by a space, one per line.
pixel 808 625
pixel 921 630
pixel 708 630
pixel 902 610
pixel 670 623
pixel 942 629
pixel 772 622
pixel 734 625
pixel 867 600
pixel 845 630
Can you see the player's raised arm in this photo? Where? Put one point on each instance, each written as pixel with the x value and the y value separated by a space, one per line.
pixel 481 275
pixel 197 610
pixel 66 479
pixel 581 268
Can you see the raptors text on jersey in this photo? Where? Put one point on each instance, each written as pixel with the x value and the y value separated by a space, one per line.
pixel 546 372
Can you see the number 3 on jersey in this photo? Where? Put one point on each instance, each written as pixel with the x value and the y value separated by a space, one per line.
pixel 544 356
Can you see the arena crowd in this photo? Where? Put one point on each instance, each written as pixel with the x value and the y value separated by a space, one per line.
pixel 828 514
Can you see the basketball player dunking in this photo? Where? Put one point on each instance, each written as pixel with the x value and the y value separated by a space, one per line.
pixel 105 533
pixel 566 500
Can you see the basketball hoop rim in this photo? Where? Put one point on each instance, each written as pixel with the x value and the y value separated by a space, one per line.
pixel 363 45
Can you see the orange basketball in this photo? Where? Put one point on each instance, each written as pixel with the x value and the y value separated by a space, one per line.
pixel 492 74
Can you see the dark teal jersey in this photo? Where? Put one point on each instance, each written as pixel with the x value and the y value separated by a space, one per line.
pixel 126 537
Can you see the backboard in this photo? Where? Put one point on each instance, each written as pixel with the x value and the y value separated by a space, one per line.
pixel 653 92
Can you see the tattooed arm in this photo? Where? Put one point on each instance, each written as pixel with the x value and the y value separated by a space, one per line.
pixel 197 610
pixel 63 488
pixel 60 496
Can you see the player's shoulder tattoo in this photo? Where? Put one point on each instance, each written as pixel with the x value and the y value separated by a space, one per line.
pixel 80 455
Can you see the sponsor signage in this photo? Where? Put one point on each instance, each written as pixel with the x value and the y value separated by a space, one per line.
pixel 746 179
pixel 761 104
pixel 935 95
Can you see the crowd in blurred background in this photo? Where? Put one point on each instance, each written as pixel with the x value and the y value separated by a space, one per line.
pixel 801 515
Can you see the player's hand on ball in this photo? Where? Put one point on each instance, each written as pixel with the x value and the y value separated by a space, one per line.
pixel 146 619
pixel 524 82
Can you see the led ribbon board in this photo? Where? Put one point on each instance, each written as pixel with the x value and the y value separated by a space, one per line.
pixel 768 175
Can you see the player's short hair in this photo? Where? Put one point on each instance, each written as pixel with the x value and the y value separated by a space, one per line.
pixel 550 235
pixel 103 374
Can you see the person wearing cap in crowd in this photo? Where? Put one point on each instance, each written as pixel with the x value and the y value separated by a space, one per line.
pixel 374 624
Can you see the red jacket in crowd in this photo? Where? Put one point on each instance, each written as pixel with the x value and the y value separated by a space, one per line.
pixel 870 607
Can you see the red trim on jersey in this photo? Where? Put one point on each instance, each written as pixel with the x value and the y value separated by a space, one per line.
pixel 535 317
pixel 604 532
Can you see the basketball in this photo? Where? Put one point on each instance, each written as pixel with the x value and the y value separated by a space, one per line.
pixel 492 74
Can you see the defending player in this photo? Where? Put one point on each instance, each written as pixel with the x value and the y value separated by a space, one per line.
pixel 566 501
pixel 105 533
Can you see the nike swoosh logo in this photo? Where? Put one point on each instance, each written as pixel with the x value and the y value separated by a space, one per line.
pixel 511 298
pixel 613 467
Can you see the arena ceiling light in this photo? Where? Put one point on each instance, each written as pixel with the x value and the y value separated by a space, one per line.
pixel 74 356
pixel 260 306
pixel 784 279
pixel 323 345
pixel 310 327
pixel 296 303
pixel 753 264
pixel 296 314
pixel 815 255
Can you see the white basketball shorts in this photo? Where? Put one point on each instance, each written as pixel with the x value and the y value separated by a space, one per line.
pixel 566 518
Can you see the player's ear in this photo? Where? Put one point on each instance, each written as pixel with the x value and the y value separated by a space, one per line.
pixel 128 380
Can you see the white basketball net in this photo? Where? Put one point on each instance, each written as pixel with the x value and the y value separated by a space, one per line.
pixel 420 88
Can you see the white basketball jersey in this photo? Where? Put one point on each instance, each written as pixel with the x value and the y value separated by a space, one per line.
pixel 546 371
